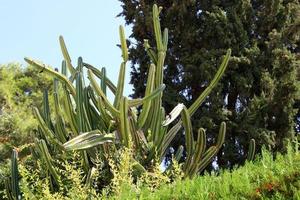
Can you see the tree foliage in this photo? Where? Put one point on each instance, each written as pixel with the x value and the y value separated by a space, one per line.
pixel 257 97
pixel 21 88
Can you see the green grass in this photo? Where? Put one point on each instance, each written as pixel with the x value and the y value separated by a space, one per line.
pixel 266 178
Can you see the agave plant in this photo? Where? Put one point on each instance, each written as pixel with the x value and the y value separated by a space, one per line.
pixel 84 120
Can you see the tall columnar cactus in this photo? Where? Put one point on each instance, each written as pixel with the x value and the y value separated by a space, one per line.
pixel 85 120
pixel 12 183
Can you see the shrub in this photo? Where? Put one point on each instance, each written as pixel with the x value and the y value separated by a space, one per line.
pixel 268 177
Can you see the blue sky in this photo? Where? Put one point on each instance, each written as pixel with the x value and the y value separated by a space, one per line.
pixel 90 29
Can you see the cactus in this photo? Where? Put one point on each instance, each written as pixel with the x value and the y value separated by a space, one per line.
pixel 197 157
pixel 12 183
pixel 86 121
pixel 251 151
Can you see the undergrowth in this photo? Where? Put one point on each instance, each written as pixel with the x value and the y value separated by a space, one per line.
pixel 268 177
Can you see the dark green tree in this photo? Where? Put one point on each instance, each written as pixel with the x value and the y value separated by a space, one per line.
pixel 258 93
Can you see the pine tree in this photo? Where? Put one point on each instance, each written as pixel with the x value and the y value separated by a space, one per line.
pixel 258 93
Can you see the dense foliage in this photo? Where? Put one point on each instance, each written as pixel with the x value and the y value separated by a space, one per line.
pixel 21 89
pixel 257 96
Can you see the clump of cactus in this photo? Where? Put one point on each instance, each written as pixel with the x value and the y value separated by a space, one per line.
pixel 84 120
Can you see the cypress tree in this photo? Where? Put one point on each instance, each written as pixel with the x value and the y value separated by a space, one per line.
pixel 258 95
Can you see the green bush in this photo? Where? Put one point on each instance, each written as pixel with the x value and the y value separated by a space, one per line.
pixel 269 177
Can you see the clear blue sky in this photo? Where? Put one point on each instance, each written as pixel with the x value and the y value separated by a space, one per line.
pixel 90 29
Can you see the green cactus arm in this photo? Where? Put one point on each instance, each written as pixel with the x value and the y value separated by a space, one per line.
pixel 123 44
pixel 158 138
pixel 57 108
pixel 206 159
pixel 67 106
pixel 64 68
pixel 100 75
pixel 157 29
pixel 60 131
pixel 86 110
pixel 88 140
pixel 8 189
pixel 199 150
pixel 104 113
pixel 66 55
pixel 79 106
pixel 80 138
pixel 59 125
pixel 179 153
pixel 186 122
pixel 99 122
pixel 189 140
pixel 221 135
pixel 92 142
pixel 133 130
pixel 165 39
pixel 156 109
pixel 169 137
pixel 160 130
pixel 61 77
pixel 136 102
pixel 159 69
pixel 251 151
pixel 83 121
pixel 150 52
pixel 47 132
pixel 15 176
pixel 120 87
pixel 147 104
pixel 192 109
pixel 45 155
pixel 69 111
pixel 160 46
pixel 124 123
pixel 142 138
pixel 101 94
pixel 103 80
pixel 46 110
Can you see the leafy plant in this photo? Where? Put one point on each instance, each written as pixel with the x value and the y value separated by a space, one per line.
pixel 269 177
